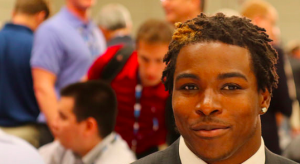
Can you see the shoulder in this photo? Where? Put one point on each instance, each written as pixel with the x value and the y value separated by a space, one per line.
pixel 11 147
pixel 118 153
pixel 272 158
pixel 101 62
pixel 291 150
pixel 50 147
pixel 51 26
pixel 170 155
pixel 52 151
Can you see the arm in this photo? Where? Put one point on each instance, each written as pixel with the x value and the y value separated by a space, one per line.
pixel 46 60
pixel 43 82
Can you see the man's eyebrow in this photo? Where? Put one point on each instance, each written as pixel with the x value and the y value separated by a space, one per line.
pixel 187 75
pixel 231 74
pixel 143 57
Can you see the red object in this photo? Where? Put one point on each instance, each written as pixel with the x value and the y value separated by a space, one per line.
pixel 153 103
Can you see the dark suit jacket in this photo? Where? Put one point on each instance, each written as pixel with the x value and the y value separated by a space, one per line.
pixel 280 102
pixel 171 156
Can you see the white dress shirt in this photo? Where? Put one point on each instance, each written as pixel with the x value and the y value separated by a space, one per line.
pixel 111 150
pixel 14 150
pixel 188 157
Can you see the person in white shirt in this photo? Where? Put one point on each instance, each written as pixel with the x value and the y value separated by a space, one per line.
pixel 84 129
pixel 220 72
pixel 14 150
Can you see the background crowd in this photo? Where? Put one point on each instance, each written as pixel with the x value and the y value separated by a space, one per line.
pixel 85 89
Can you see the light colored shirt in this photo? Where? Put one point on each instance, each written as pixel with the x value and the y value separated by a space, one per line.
pixel 111 150
pixel 16 151
pixel 66 46
pixel 188 157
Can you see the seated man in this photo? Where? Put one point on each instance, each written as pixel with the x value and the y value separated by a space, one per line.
pixel 16 151
pixel 84 129
pixel 220 72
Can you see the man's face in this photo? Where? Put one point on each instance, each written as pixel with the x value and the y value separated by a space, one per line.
pixel 179 10
pixel 68 130
pixel 216 102
pixel 150 59
pixel 83 4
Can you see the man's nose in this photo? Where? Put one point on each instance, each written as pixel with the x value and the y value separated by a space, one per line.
pixel 208 104
pixel 151 69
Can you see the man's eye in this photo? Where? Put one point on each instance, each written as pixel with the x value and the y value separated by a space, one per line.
pixel 231 87
pixel 190 87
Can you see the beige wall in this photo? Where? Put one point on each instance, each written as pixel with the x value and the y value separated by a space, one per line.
pixel 289 13
pixel 288 10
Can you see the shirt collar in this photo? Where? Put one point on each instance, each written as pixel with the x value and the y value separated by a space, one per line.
pixel 17 26
pixel 74 20
pixel 188 157
pixel 95 153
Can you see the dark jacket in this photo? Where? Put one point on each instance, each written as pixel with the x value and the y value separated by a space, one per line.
pixel 280 102
pixel 171 156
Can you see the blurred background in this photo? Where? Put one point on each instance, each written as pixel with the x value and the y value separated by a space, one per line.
pixel 288 11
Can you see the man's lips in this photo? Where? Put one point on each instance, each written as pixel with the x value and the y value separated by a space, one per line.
pixel 151 78
pixel 210 130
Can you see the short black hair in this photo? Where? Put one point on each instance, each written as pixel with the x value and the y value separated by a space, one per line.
pixel 94 99
pixel 229 30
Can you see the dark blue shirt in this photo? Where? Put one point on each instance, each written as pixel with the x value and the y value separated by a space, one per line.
pixel 18 105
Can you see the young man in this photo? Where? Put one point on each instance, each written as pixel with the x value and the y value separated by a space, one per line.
pixel 220 72
pixel 87 115
pixel 140 93
pixel 182 10
pixel 64 48
pixel 265 15
pixel 18 106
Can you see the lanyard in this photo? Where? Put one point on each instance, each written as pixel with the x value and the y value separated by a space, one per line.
pixel 137 112
pixel 98 154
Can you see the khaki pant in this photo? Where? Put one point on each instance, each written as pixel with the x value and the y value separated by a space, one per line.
pixel 29 133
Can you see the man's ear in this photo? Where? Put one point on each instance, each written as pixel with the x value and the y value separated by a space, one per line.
pixel 40 16
pixel 91 126
pixel 13 13
pixel 265 99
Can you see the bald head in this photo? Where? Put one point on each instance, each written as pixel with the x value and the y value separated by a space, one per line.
pixel 263 14
pixel 182 10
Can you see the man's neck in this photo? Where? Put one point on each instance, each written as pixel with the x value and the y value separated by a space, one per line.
pixel 120 32
pixel 82 14
pixel 24 20
pixel 91 143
